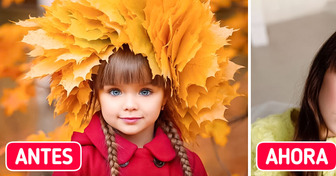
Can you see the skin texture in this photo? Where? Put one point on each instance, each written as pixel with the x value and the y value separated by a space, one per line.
pixel 327 101
pixel 132 110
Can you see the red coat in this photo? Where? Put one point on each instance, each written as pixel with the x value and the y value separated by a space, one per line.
pixel 139 161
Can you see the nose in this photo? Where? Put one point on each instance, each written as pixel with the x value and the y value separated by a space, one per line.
pixel 130 103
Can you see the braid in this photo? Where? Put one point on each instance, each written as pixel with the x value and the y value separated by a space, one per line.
pixel 111 147
pixel 173 135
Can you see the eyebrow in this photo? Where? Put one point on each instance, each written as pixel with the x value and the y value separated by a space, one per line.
pixel 121 85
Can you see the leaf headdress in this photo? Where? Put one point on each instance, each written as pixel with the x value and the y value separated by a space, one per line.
pixel 180 39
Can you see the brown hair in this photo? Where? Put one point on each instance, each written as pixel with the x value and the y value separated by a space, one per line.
pixel 310 125
pixel 124 67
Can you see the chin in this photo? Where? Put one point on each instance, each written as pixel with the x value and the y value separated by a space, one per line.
pixel 129 132
pixel 331 133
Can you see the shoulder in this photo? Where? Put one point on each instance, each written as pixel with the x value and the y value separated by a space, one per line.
pixel 92 164
pixel 94 151
pixel 196 164
pixel 276 127
pixel 332 172
pixel 329 173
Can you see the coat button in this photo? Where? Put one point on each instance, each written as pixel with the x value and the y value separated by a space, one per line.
pixel 125 164
pixel 158 163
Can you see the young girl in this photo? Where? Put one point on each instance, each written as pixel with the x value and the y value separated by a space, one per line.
pixel 315 120
pixel 133 77
pixel 135 122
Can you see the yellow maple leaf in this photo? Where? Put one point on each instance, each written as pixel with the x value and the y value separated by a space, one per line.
pixel 40 38
pixel 110 8
pixel 83 91
pixel 14 64
pixel 82 69
pixel 218 129
pixel 57 91
pixel 97 45
pixel 78 57
pixel 18 97
pixel 61 133
pixel 216 111
pixel 179 41
pixel 68 80
pixel 77 27
pixel 194 92
pixel 27 23
pixel 46 67
pixel 239 40
pixel 40 136
pixel 12 51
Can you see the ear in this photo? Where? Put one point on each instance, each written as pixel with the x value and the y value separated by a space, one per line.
pixel 165 99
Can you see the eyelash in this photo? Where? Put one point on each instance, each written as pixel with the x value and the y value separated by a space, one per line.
pixel 111 90
pixel 149 92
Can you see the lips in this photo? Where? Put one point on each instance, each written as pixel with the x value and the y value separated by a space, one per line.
pixel 130 120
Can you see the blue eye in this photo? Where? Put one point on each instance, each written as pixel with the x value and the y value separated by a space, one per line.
pixel 115 92
pixel 145 92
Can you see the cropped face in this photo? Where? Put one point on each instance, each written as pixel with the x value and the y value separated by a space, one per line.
pixel 327 101
pixel 132 109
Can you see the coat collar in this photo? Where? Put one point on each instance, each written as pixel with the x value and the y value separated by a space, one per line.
pixel 96 135
pixel 160 147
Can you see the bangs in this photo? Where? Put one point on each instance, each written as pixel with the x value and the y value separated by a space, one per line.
pixel 124 67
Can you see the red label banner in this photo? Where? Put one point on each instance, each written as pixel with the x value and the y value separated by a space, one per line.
pixel 296 156
pixel 43 156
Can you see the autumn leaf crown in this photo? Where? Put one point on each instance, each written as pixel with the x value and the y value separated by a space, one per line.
pixel 180 39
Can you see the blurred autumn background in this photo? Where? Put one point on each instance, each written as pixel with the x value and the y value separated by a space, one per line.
pixel 26 115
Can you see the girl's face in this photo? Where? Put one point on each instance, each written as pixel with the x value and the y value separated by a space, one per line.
pixel 327 100
pixel 132 109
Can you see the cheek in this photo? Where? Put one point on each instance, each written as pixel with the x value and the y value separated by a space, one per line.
pixel 156 109
pixel 327 97
pixel 107 108
pixel 327 100
pixel 153 106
